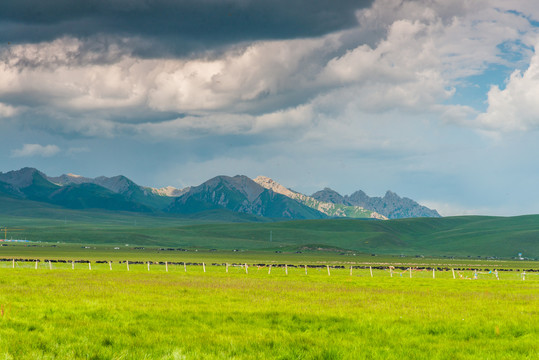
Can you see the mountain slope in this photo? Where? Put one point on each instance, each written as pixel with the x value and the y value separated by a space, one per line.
pixel 240 194
pixel 120 185
pixel 31 184
pixel 326 207
pixel 92 196
pixel 391 205
pixel 263 197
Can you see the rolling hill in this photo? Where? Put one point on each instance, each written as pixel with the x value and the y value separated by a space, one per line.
pixel 465 236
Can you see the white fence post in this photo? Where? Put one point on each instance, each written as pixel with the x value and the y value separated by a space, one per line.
pixel 50 265
pixel 166 266
pixel 286 269
pixel 410 272
pixel 127 263
pixel 89 265
pixel 269 270
pixel 305 269
pixel 110 265
pixel 328 270
pixel 453 271
pixel 370 268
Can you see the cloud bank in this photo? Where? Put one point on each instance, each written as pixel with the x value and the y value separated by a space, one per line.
pixel 393 55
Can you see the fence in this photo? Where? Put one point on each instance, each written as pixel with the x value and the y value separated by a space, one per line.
pixel 457 273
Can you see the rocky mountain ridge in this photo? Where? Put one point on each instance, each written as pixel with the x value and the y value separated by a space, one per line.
pixel 261 197
pixel 391 205
pixel 331 209
pixel 241 194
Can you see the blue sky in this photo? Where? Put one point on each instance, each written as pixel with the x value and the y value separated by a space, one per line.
pixel 435 100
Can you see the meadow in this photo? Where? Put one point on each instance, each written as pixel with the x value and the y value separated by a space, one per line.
pixel 452 237
pixel 140 314
pixel 196 312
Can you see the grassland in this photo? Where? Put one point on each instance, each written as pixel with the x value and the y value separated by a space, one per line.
pixel 117 254
pixel 141 314
pixel 253 314
pixel 458 236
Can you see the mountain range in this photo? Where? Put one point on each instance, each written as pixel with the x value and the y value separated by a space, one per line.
pixel 256 199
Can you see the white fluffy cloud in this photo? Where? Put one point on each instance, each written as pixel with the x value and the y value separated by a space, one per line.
pixel 516 107
pixel 30 150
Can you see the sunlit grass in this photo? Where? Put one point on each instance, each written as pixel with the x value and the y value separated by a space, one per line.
pixel 103 314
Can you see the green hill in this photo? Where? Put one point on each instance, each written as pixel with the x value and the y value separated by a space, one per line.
pixel 221 229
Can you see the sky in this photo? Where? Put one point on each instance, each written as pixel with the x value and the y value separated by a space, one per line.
pixel 436 100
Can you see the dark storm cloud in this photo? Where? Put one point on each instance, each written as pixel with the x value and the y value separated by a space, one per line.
pixel 177 26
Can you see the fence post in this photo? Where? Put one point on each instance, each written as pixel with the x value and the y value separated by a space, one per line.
pixel 453 270
pixel 148 266
pixel 36 264
pixel 390 272
pixel 204 267
pixel 329 274
pixel 89 265
pixel 305 269
pixel 370 268
pixel 286 269
pixel 350 270
pixel 13 263
pixel 433 276
pixel 72 264
pixel 269 270
pixel 50 265
pixel 184 267
pixel 110 265
pixel 410 272
pixel 166 266
pixel 127 262
pixel 246 270
pixel 227 267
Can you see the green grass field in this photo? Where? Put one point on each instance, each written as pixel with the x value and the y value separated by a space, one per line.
pixel 459 236
pixel 55 312
pixel 141 314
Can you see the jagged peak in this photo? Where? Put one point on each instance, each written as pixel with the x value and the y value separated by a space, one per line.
pixel 390 193
pixel 241 183
pixel 21 178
